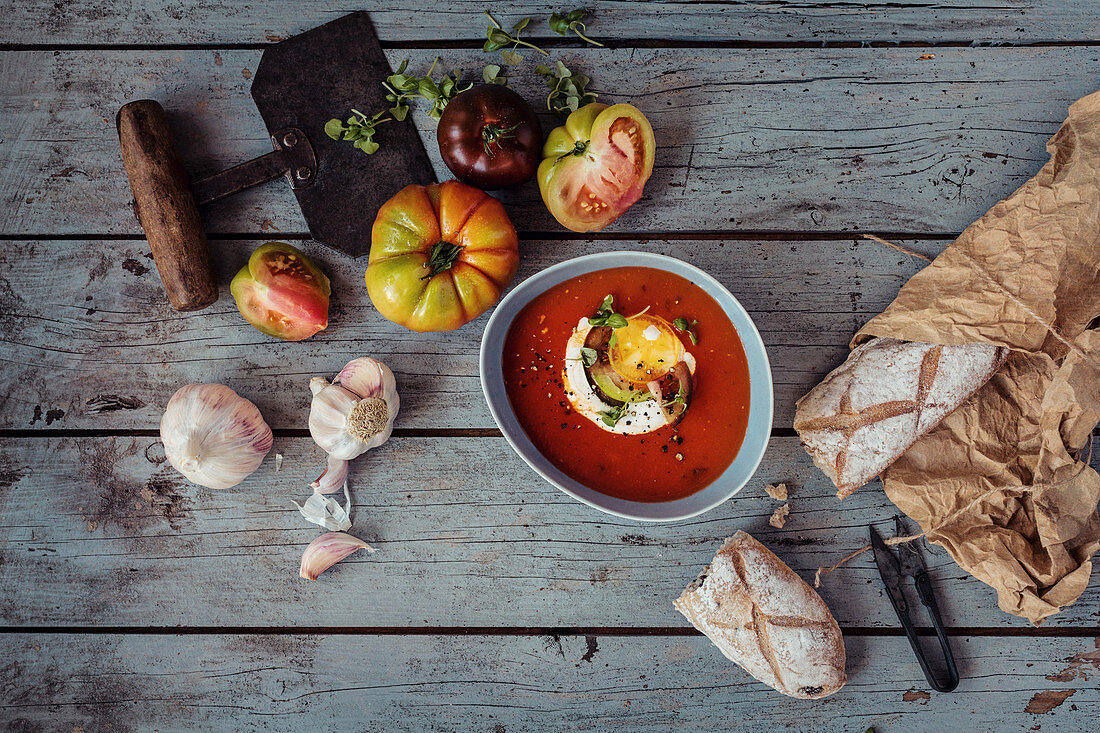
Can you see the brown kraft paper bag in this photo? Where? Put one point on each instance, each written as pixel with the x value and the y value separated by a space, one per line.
pixel 1003 483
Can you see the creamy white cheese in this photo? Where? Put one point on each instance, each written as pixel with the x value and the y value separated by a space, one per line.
pixel 638 418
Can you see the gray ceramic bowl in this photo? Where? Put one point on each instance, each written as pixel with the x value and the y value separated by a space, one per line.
pixel 760 388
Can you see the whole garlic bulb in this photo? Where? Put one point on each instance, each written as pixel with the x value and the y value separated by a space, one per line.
pixel 213 436
pixel 356 411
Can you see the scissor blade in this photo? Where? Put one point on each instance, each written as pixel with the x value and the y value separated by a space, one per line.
pixel 888 567
pixel 909 554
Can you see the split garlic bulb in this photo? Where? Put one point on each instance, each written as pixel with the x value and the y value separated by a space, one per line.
pixel 356 411
pixel 213 436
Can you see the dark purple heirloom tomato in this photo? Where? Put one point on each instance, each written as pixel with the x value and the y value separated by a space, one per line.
pixel 490 137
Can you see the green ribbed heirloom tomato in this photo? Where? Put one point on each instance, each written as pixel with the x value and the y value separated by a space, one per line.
pixel 440 256
pixel 595 166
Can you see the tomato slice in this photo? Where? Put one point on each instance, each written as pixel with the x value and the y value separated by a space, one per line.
pixel 282 293
pixel 596 165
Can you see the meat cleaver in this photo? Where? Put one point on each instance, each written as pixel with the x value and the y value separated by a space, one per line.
pixel 300 84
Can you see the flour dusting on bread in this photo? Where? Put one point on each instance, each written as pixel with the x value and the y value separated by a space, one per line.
pixel 762 616
pixel 868 411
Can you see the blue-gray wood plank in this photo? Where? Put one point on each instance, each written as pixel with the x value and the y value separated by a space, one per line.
pixel 87 328
pixel 765 139
pixel 621 22
pixel 516 684
pixel 759 132
pixel 103 532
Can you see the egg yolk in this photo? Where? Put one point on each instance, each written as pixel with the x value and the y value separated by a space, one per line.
pixel 647 348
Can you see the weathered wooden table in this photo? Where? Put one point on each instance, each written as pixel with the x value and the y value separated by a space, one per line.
pixel 132 600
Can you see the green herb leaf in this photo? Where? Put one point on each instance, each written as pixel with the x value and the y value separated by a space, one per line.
pixel 571 21
pixel 559 24
pixel 367 146
pixel 359 130
pixel 613 340
pixel 491 74
pixel 402 87
pixel 681 324
pixel 611 417
pixel 588 356
pixel 496 38
pixel 334 128
pixel 568 91
pixel 605 316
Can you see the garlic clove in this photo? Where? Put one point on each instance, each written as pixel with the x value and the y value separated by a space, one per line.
pixel 326 511
pixel 213 436
pixel 328 422
pixel 364 376
pixel 333 477
pixel 326 551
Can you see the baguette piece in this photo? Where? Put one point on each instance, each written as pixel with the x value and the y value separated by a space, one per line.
pixel 887 394
pixel 762 616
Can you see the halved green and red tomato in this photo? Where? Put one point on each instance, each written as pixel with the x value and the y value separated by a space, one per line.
pixel 440 255
pixel 595 166
pixel 282 293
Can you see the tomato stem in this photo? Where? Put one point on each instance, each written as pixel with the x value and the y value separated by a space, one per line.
pixel 493 134
pixel 579 148
pixel 443 257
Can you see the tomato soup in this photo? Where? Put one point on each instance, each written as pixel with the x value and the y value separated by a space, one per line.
pixel 669 462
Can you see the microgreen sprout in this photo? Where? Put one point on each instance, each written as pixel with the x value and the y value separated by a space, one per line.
pixel 492 74
pixel 571 21
pixel 605 316
pixel 358 128
pixel 402 87
pixel 681 324
pixel 498 39
pixel 568 91
pixel 611 417
pixel 679 399
pixel 588 356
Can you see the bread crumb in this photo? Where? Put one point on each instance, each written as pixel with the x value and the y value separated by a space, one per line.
pixel 777 491
pixel 779 516
pixel 926 57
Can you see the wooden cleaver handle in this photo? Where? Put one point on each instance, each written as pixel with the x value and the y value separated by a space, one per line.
pixel 165 206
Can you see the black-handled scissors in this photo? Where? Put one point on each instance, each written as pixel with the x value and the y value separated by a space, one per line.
pixel 912 565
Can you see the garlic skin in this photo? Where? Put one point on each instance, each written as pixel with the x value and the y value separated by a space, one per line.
pixel 213 436
pixel 326 551
pixel 356 411
pixel 333 478
pixel 326 511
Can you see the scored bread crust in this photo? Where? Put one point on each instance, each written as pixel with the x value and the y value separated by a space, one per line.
pixel 762 616
pixel 887 394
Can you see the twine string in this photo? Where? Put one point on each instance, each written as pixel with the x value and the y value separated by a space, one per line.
pixel 822 572
pixel 898 247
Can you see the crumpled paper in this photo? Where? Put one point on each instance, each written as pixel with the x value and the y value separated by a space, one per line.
pixel 1003 483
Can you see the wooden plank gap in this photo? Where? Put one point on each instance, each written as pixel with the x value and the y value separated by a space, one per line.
pixel 554 42
pixel 609 631
pixel 769 235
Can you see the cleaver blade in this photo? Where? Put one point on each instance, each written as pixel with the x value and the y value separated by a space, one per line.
pixel 308 79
